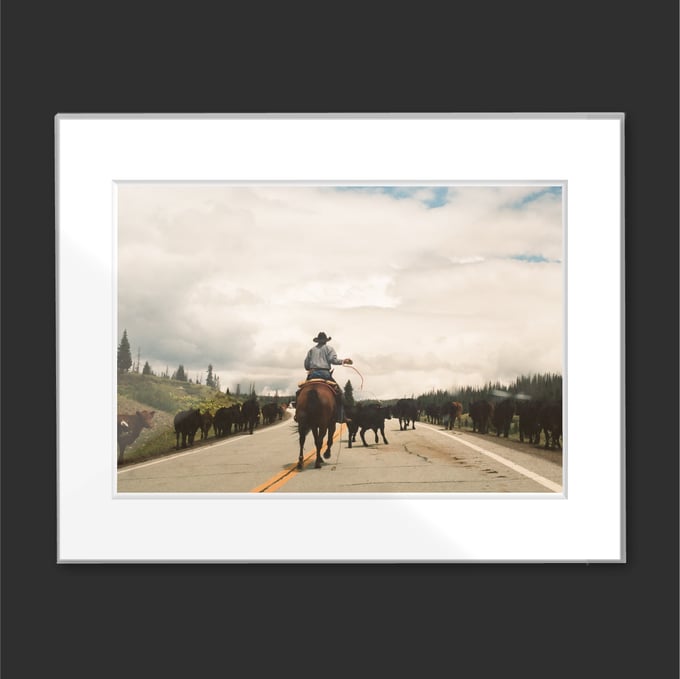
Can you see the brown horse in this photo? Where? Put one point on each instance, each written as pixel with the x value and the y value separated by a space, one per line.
pixel 315 412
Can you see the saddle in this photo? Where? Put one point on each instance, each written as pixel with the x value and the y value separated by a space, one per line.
pixel 329 384
pixel 333 386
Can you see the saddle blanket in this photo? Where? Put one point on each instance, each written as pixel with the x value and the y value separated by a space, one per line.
pixel 334 385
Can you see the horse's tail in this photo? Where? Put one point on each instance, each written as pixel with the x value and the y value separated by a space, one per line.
pixel 314 407
pixel 310 412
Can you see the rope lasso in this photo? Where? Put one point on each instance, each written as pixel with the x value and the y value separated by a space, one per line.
pixel 347 365
pixel 337 457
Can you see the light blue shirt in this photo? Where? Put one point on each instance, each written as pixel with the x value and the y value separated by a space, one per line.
pixel 321 358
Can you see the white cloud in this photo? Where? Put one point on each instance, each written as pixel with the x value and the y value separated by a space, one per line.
pixel 244 277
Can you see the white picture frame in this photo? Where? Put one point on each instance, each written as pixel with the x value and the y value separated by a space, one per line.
pixel 586 523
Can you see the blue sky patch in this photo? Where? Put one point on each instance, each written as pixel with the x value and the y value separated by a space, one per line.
pixel 441 195
pixel 531 258
pixel 439 198
pixel 548 191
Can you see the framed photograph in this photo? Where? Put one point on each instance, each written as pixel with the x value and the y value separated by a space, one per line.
pixel 461 259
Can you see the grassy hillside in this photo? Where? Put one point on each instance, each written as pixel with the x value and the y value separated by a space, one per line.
pixel 167 398
pixel 171 396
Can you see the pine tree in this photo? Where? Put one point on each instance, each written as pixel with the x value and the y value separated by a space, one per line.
pixel 349 393
pixel 146 370
pixel 210 380
pixel 180 375
pixel 124 355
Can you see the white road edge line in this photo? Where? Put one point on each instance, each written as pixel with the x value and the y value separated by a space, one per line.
pixel 201 449
pixel 551 485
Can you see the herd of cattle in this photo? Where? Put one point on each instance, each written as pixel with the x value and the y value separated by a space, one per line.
pixel 234 419
pixel 534 417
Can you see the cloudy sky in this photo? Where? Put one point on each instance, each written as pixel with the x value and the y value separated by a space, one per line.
pixel 424 287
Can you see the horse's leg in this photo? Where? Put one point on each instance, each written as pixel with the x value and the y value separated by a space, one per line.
pixel 303 435
pixel 331 433
pixel 319 433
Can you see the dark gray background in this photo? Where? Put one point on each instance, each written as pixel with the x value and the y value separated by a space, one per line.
pixel 558 620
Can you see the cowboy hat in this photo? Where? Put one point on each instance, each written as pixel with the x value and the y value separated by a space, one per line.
pixel 321 337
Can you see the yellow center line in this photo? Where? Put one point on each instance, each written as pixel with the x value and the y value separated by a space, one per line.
pixel 287 474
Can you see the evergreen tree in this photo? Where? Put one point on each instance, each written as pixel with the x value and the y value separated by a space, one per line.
pixel 146 370
pixel 124 355
pixel 349 394
pixel 180 374
pixel 210 380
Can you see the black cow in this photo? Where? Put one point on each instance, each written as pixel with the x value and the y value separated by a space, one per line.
pixel 187 423
pixel 529 429
pixel 503 413
pixel 222 421
pixel 406 409
pixel 236 417
pixel 366 416
pixel 481 413
pixel 454 410
pixel 352 421
pixel 550 421
pixel 206 423
pixel 251 414
pixel 434 412
pixel 270 413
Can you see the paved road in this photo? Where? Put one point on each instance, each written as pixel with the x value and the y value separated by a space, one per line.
pixel 427 459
